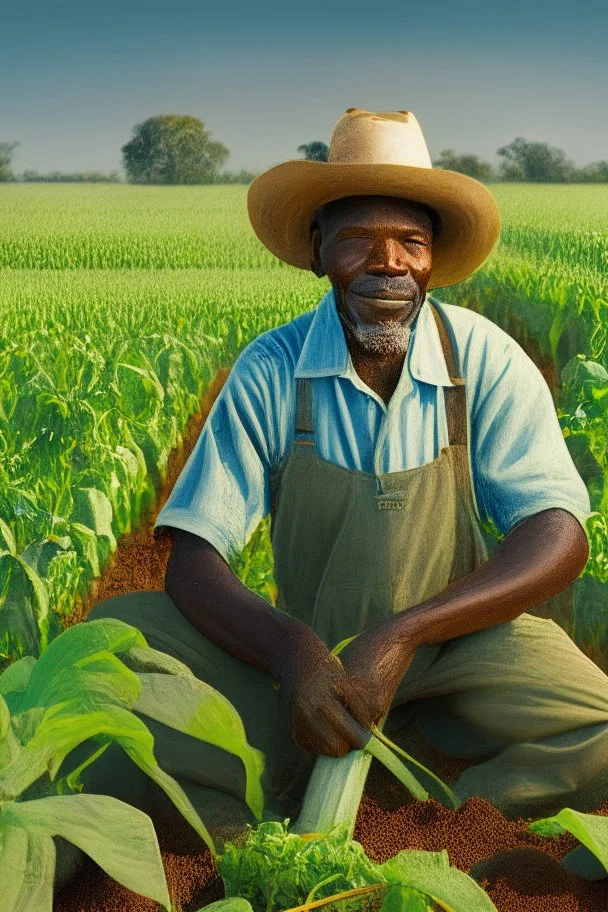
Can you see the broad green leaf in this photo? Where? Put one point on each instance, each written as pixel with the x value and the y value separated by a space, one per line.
pixel 93 509
pixel 9 538
pixel 74 645
pixel 85 543
pixel 194 707
pixel 16 677
pixel 9 744
pixel 405 899
pixel 95 679
pixel 120 838
pixel 19 608
pixel 151 660
pixel 72 782
pixel 590 829
pixel 27 867
pixel 231 904
pixel 40 601
pixel 432 874
pixel 63 728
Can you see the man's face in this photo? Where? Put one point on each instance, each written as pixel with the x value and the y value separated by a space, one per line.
pixel 376 252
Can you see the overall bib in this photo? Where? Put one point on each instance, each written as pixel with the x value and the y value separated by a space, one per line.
pixel 351 548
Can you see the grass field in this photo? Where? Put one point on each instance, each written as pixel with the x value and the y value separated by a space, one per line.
pixel 119 304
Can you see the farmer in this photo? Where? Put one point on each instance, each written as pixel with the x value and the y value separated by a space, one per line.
pixel 379 430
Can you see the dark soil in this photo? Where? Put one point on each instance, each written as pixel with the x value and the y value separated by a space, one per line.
pixel 521 872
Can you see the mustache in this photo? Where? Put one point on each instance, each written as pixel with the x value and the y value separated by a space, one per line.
pixel 402 286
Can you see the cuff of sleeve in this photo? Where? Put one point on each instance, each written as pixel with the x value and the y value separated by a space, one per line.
pixel 551 505
pixel 213 534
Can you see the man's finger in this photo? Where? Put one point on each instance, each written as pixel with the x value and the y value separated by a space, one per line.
pixel 317 736
pixel 345 726
pixel 361 701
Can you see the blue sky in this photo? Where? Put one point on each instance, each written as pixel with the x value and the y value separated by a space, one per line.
pixel 266 77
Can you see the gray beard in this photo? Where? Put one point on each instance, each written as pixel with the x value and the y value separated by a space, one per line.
pixel 384 340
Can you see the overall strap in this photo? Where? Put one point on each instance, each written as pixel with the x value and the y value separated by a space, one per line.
pixel 455 396
pixel 303 424
pixel 303 405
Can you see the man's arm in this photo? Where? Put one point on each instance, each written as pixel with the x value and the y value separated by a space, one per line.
pixel 210 595
pixel 536 560
pixel 215 601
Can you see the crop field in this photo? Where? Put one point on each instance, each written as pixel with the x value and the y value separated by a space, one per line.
pixel 119 304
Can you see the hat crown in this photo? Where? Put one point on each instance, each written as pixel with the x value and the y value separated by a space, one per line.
pixel 378 137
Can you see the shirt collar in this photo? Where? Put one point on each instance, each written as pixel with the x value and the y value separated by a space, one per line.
pixel 326 353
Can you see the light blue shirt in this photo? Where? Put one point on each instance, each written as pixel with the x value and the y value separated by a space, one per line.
pixel 518 458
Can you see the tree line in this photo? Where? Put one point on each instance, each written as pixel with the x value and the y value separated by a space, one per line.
pixel 177 149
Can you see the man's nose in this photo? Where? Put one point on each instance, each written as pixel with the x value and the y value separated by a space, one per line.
pixel 387 256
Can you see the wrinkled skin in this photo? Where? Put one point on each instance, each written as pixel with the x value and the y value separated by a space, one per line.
pixel 388 248
pixel 377 253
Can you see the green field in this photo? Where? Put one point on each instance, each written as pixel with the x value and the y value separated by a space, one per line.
pixel 119 304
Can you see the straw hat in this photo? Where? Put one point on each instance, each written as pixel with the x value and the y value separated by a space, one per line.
pixel 377 153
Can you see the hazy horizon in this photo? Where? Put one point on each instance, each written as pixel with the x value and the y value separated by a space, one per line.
pixel 268 80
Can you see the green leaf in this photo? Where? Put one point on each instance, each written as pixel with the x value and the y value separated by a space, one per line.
pixel 85 543
pixel 16 677
pixel 231 904
pixel 93 509
pixel 151 660
pixel 195 708
pixel 548 826
pixel 9 744
pixel 343 643
pixel 444 794
pixel 9 538
pixel 590 829
pixel 431 874
pixel 27 868
pixel 121 839
pixel 63 728
pixel 405 899
pixel 70 648
pixel 381 752
pixel 98 679
pixel 19 607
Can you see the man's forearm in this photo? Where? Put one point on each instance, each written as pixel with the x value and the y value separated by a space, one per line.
pixel 212 597
pixel 536 560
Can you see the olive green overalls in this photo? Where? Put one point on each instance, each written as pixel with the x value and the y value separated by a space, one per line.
pixel 351 548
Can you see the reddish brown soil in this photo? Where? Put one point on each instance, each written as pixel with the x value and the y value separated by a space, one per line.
pixel 522 872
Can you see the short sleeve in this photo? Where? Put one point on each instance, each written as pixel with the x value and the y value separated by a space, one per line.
pixel 522 464
pixel 223 490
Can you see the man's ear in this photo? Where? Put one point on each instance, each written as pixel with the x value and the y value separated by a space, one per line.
pixel 315 244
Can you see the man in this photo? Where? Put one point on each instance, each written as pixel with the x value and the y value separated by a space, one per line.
pixel 378 431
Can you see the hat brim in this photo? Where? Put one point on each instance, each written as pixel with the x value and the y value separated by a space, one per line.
pixel 281 203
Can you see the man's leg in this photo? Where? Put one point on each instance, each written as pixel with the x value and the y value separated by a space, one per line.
pixel 523 695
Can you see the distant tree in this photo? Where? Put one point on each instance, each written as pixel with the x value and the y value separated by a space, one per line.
pixel 172 149
pixel 314 151
pixel 235 177
pixel 53 177
pixel 471 165
pixel 535 161
pixel 595 172
pixel 6 157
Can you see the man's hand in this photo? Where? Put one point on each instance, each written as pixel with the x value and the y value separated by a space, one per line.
pixel 328 709
pixel 376 662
